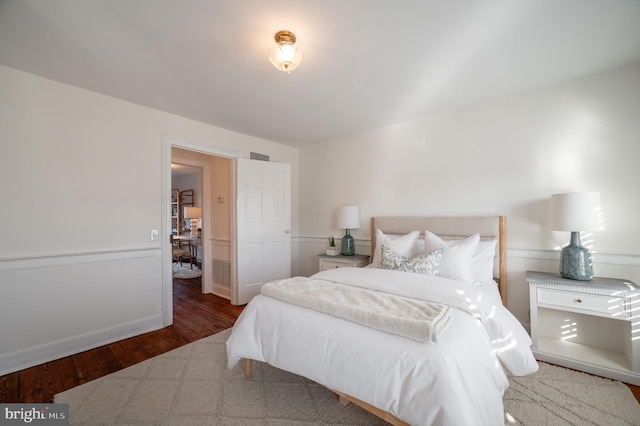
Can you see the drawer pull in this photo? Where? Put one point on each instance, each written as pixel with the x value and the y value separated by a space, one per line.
pixel 579 300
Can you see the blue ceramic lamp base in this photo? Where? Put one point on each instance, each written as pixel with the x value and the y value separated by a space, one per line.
pixel 348 247
pixel 575 260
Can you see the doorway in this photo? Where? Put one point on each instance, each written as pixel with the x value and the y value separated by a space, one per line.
pixel 186 217
pixel 213 171
pixel 265 200
pixel 203 183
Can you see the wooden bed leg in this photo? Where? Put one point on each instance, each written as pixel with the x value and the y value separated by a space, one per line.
pixel 247 368
pixel 343 401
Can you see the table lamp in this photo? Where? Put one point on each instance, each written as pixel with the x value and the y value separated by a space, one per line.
pixel 193 213
pixel 576 212
pixel 348 218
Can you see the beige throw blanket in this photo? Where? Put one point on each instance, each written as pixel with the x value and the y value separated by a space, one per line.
pixel 416 319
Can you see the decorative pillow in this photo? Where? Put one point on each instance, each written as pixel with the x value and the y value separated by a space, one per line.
pixel 483 259
pixel 426 264
pixel 457 256
pixel 404 245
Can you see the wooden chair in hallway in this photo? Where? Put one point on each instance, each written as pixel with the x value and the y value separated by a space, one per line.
pixel 179 253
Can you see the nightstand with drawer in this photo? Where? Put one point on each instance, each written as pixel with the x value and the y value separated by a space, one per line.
pixel 592 326
pixel 331 262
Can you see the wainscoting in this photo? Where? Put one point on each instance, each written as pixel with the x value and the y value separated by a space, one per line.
pixel 53 306
pixel 56 305
pixel 196 316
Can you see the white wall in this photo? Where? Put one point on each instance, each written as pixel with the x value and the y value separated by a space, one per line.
pixel 81 191
pixel 505 158
pixel 81 176
pixel 190 181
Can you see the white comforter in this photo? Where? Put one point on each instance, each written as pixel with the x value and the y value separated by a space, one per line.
pixel 459 380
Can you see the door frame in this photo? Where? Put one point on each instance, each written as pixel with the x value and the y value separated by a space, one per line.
pixel 168 142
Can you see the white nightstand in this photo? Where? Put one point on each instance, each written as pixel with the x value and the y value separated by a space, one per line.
pixel 331 262
pixel 586 325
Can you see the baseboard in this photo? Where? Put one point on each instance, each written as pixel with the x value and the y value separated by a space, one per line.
pixel 222 290
pixel 59 349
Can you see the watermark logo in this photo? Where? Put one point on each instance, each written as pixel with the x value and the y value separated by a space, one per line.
pixel 34 414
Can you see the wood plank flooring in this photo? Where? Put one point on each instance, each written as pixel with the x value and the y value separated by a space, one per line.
pixel 195 316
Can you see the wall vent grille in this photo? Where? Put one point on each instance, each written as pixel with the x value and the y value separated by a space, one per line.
pixel 221 271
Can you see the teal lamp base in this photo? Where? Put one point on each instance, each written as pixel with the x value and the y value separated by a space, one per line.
pixel 348 247
pixel 575 260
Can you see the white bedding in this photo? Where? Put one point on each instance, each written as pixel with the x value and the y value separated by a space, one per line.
pixel 416 319
pixel 459 380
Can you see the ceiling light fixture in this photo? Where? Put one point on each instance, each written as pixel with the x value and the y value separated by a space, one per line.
pixel 285 54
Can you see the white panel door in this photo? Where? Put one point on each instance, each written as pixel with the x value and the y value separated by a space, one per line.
pixel 263 226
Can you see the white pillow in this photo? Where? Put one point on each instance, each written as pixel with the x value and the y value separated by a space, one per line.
pixel 404 245
pixel 482 263
pixel 457 256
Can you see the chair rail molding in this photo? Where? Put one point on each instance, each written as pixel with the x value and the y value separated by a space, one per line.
pixel 77 258
pixel 627 259
pixel 611 258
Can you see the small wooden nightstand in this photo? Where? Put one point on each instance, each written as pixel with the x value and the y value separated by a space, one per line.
pixel 331 262
pixel 590 326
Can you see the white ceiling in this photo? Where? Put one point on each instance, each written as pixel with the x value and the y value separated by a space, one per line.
pixel 367 63
pixel 183 170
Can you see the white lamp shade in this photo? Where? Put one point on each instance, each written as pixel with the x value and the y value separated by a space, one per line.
pixel 193 212
pixel 348 217
pixel 576 212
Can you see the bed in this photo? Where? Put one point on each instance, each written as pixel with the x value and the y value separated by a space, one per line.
pixel 420 336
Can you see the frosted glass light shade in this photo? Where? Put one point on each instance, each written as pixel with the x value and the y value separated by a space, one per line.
pixel 285 55
pixel 348 217
pixel 577 211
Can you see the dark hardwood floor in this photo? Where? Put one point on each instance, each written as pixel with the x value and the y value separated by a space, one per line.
pixel 195 316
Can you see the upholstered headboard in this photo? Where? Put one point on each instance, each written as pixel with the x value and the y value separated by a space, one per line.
pixel 453 228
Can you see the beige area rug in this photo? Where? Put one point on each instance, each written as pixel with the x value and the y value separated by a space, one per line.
pixel 556 396
pixel 191 385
